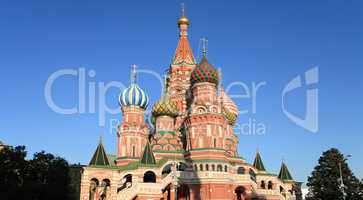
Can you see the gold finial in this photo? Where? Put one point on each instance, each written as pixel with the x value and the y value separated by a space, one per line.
pixel 183 19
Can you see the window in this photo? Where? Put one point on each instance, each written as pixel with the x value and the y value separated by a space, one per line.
pixel 263 185
pixel 149 177
pixel 219 168
pixel 269 185
pixel 201 167
pixel 207 167
pixel 225 168
pixel 240 170
pixel 214 142
pixel 213 167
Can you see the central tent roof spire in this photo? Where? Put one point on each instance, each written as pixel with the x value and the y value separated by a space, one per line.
pixel 183 53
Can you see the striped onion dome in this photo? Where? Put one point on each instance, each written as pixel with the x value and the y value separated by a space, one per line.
pixel 165 107
pixel 204 72
pixel 134 96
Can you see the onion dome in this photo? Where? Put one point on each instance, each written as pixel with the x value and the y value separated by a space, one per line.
pixel 231 118
pixel 230 110
pixel 204 72
pixel 134 96
pixel 183 20
pixel 229 104
pixel 165 107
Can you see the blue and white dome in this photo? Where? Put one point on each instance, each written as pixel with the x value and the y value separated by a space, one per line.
pixel 134 96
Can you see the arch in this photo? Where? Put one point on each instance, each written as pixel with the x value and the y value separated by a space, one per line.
pixel 195 167
pixel 166 170
pixel 93 187
pixel 219 168
pixel 149 177
pixel 240 192
pixel 269 185
pixel 281 189
pixel 206 167
pixel 263 185
pixel 201 167
pixel 241 170
pixel 182 166
pixel 252 175
pixel 106 182
pixel 225 168
pixel 213 167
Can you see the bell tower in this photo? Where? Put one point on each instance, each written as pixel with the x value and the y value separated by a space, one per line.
pixel 133 132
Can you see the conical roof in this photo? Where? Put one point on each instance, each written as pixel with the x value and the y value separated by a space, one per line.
pixel 148 155
pixel 258 164
pixel 100 157
pixel 284 173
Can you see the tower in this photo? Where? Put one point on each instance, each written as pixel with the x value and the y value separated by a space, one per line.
pixel 166 138
pixel 133 131
pixel 180 70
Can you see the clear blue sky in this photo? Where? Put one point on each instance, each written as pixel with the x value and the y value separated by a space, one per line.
pixel 253 41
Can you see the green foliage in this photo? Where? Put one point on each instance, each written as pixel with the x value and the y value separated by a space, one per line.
pixel 43 177
pixel 324 182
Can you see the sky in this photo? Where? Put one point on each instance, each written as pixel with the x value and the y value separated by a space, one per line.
pixel 266 43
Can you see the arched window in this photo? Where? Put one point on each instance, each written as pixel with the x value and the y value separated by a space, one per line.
pixel 225 168
pixel 206 167
pixel 263 185
pixel 214 142
pixel 269 185
pixel 219 168
pixel 240 192
pixel 201 167
pixel 213 167
pixel 195 167
pixel 240 170
pixel 93 186
pixel 166 170
pixel 149 177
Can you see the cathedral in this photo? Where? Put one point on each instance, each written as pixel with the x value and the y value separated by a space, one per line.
pixel 187 150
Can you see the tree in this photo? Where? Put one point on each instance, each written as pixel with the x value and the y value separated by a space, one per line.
pixel 324 182
pixel 42 178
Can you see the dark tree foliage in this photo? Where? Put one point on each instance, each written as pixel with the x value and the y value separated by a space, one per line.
pixel 324 182
pixel 42 178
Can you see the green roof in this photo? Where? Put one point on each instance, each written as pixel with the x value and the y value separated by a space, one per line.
pixel 100 157
pixel 284 173
pixel 148 156
pixel 258 164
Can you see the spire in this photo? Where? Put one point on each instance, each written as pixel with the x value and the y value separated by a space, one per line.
pixel 284 173
pixel 148 155
pixel 100 157
pixel 258 164
pixel 183 53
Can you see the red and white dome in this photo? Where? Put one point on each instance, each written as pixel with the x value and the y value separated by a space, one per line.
pixel 228 104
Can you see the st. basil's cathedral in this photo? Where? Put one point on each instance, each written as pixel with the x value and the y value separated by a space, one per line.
pixel 190 150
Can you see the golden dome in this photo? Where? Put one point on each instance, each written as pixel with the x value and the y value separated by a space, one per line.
pixel 183 20
pixel 165 107
pixel 231 118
